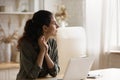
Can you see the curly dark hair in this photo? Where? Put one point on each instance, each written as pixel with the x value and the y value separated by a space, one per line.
pixel 34 27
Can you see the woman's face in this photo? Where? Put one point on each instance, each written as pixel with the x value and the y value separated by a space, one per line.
pixel 52 28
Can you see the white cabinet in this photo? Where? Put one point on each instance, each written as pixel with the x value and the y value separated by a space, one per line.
pixel 8 74
pixel 12 73
pixel 4 75
pixel 8 71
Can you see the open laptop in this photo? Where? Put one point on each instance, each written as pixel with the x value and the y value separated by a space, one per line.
pixel 78 68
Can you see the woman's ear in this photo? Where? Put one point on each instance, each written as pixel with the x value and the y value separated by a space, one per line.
pixel 45 28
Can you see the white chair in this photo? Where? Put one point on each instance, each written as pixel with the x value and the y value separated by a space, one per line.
pixel 71 42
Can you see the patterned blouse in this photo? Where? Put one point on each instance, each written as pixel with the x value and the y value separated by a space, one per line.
pixel 28 56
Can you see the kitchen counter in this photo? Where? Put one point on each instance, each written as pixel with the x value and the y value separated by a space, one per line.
pixel 10 65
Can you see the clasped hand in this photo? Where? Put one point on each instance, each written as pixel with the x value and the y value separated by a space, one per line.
pixel 43 44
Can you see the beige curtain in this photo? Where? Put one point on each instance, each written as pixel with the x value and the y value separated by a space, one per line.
pixel 103 29
pixel 110 30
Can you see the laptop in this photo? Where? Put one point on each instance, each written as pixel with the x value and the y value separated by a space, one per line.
pixel 78 68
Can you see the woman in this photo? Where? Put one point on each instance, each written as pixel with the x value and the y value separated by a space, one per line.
pixel 38 50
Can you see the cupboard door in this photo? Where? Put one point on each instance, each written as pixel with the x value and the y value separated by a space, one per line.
pixel 4 75
pixel 13 74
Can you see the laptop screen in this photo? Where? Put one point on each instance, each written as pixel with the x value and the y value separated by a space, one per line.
pixel 78 68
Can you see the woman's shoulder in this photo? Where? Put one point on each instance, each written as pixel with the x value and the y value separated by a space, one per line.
pixel 25 42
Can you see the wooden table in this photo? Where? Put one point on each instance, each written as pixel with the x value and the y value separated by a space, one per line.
pixel 106 74
pixel 10 65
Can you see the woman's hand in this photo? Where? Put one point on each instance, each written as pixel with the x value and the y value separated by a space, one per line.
pixel 43 50
pixel 43 44
pixel 44 53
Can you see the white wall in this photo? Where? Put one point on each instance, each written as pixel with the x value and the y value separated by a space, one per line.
pixel 76 12
pixel 51 5
pixel 75 9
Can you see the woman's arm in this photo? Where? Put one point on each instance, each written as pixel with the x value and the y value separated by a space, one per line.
pixel 52 58
pixel 50 63
pixel 44 53
pixel 43 50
